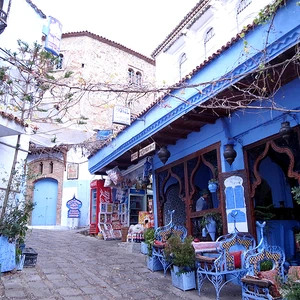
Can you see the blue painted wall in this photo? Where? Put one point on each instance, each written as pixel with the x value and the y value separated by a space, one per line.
pixel 83 194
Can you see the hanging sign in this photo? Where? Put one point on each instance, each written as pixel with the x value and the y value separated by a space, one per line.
pixel 134 156
pixel 142 152
pixel 54 32
pixel 147 149
pixel 121 115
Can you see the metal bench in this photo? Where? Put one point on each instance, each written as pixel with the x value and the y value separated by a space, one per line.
pixel 258 284
pixel 161 235
pixel 226 263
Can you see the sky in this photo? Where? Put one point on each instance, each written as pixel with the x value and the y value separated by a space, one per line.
pixel 141 25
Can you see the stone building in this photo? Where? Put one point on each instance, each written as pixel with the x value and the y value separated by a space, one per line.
pixel 95 62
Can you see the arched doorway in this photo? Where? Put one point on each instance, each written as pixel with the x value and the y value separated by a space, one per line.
pixel 45 197
pixel 273 168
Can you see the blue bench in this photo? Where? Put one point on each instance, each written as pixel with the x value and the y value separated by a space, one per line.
pixel 226 263
pixel 258 284
pixel 161 235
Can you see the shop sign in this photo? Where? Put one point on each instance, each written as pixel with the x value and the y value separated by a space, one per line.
pixel 74 206
pixel 134 156
pixel 72 171
pixel 143 152
pixel 147 149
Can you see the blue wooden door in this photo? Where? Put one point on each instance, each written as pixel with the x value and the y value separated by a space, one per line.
pixel 45 197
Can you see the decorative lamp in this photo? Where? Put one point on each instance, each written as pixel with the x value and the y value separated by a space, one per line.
pixel 163 154
pixel 229 153
pixel 286 131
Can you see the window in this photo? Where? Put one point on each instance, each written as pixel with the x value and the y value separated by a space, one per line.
pixel 182 60
pixel 41 167
pixel 134 77
pixel 51 167
pixel 130 76
pixel 138 78
pixel 60 60
pixel 208 37
pixel 242 5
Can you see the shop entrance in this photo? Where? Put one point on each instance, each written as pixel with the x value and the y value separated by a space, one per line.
pixel 181 184
pixel 273 170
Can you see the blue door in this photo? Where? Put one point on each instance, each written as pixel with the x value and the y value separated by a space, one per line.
pixel 45 197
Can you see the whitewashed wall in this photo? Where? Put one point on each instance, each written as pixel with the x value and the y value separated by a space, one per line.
pixel 223 17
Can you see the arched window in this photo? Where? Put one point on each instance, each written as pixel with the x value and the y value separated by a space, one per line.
pixel 51 166
pixel 138 77
pixel 130 76
pixel 242 5
pixel 41 168
pixel 182 60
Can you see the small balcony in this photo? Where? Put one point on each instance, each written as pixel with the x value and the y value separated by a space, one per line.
pixel 3 18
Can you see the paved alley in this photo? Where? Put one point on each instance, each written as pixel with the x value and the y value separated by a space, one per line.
pixel 74 266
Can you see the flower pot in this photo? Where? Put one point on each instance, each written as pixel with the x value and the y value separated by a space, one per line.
pixel 212 186
pixel 211 228
pixel 153 264
pixel 184 281
pixel 144 248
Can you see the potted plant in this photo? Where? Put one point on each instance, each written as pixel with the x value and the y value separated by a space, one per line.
pixel 213 185
pixel 153 264
pixel 212 223
pixel 13 229
pixel 182 256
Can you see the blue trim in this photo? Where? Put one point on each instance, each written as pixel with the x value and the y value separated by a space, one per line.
pixel 278 45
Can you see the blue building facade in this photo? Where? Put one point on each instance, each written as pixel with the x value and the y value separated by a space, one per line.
pixel 235 119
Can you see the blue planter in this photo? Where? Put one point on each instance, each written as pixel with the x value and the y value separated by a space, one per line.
pixel 7 254
pixel 183 281
pixel 144 248
pixel 154 264
pixel 212 186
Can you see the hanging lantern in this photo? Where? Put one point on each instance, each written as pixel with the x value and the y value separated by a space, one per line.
pixel 229 153
pixel 285 131
pixel 163 154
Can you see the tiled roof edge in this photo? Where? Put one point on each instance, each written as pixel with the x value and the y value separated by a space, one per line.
pixel 109 42
pixel 13 118
pixel 37 10
pixel 199 6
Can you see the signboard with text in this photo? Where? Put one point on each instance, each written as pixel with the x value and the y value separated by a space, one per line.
pixel 121 115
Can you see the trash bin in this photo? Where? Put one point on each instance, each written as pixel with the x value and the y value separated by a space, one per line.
pixel 124 231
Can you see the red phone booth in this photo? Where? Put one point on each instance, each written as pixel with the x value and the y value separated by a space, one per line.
pixel 99 195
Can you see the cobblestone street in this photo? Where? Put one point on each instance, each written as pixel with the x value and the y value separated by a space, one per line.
pixel 74 266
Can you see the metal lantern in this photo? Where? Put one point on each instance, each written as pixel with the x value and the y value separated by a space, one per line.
pixel 229 153
pixel 285 131
pixel 163 154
